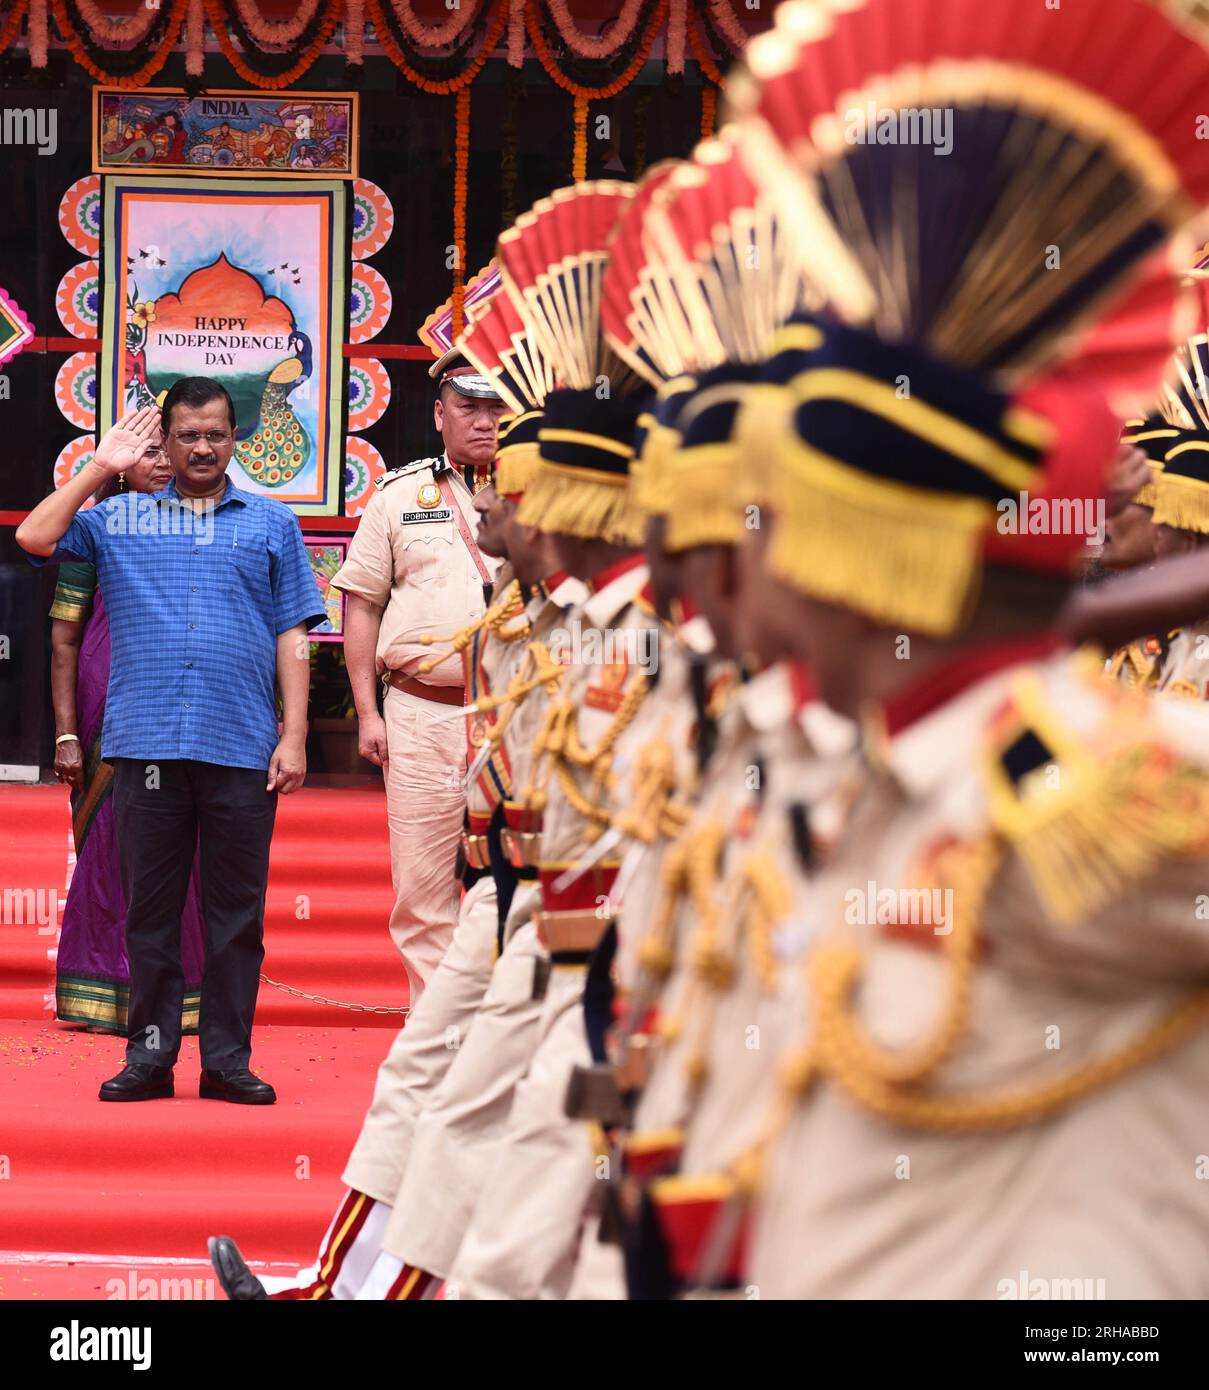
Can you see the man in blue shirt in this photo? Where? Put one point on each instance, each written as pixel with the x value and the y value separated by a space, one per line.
pixel 209 595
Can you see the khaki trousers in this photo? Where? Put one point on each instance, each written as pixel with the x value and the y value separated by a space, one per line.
pixel 524 1239
pixel 424 1050
pixel 455 1138
pixel 425 802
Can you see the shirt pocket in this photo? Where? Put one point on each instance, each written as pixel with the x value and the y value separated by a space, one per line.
pixel 246 550
pixel 428 550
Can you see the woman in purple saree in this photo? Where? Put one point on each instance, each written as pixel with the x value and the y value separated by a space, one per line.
pixel 92 982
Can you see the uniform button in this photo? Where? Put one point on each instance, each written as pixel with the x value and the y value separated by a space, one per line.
pixel 188 666
pixel 195 588
pixel 186 704
pixel 196 551
pixel 192 626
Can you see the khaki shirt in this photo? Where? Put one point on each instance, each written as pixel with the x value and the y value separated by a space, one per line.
pixel 862 1204
pixel 409 558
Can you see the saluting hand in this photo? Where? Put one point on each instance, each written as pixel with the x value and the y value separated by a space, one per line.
pixel 128 440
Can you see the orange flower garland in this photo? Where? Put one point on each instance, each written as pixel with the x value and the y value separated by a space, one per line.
pixel 577 89
pixel 579 155
pixel 306 58
pixel 425 84
pixel 13 24
pixel 705 62
pixel 709 109
pixel 134 79
pixel 461 162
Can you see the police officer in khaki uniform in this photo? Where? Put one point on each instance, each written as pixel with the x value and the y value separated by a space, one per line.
pixel 414 567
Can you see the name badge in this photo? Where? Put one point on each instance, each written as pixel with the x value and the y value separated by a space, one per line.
pixel 441 514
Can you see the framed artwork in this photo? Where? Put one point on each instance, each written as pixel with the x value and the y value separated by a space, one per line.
pixel 327 555
pixel 244 281
pixel 224 134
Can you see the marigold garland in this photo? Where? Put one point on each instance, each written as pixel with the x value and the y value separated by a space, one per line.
pixel 195 29
pixel 709 109
pixel 39 33
pixel 135 79
pixel 579 152
pixel 278 34
pixel 461 163
pixel 354 31
pixel 727 25
pixel 677 23
pixel 434 35
pixel 12 24
pixel 704 60
pixel 124 33
pixel 516 33
pixel 595 48
pixel 283 79
pixel 706 26
pixel 425 84
pixel 546 58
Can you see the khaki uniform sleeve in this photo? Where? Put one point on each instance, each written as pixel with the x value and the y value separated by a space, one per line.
pixel 369 566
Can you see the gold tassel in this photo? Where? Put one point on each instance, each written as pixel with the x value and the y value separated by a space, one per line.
pixel 705 507
pixel 515 465
pixel 902 556
pixel 1181 502
pixel 556 502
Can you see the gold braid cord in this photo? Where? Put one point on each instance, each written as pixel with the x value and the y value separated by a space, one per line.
pixel 558 751
pixel 505 620
pixel 893 1086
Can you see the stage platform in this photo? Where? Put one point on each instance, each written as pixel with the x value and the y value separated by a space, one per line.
pixel 107 1201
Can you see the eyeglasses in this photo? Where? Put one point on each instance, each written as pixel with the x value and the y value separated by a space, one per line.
pixel 215 438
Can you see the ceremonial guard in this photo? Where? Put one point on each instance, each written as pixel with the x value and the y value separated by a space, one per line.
pixel 414 566
pixel 1002 967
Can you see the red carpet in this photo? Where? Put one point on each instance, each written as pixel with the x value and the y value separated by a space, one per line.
pixel 98 1194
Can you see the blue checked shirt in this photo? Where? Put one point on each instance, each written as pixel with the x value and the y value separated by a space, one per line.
pixel 195 605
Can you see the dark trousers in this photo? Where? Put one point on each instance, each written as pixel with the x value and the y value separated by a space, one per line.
pixel 165 812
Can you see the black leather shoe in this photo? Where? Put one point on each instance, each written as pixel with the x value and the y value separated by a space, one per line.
pixel 240 1087
pixel 139 1081
pixel 237 1280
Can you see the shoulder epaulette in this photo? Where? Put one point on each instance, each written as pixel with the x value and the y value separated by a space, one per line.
pixel 1089 815
pixel 403 469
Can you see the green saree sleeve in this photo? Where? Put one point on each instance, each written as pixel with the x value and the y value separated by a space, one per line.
pixel 74 591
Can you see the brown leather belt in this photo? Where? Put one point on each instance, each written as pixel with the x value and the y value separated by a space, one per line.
pixel 441 694
pixel 576 931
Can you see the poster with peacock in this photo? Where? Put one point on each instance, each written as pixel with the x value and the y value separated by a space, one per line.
pixel 243 281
